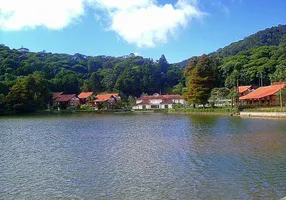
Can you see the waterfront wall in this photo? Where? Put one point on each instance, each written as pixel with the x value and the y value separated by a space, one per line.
pixel 264 114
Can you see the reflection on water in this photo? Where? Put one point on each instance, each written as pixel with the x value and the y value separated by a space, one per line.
pixel 142 157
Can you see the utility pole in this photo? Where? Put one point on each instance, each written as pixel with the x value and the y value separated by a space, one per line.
pixel 281 104
pixel 237 93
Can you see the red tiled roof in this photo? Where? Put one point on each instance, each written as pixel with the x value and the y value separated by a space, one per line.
pixel 144 102
pixel 242 89
pixel 65 97
pixel 57 95
pixel 278 83
pixel 263 92
pixel 105 97
pixel 85 95
pixel 167 101
pixel 168 96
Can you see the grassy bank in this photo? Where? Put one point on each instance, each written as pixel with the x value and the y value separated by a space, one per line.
pixel 264 109
pixel 59 112
pixel 217 111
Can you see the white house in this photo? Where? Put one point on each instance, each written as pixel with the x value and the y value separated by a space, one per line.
pixel 157 101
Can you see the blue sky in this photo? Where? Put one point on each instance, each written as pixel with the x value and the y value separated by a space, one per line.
pixel 178 29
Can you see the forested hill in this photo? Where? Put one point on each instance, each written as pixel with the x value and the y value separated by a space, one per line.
pixel 259 59
pixel 131 75
pixel 269 37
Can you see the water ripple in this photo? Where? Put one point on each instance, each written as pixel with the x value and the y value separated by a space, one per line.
pixel 142 157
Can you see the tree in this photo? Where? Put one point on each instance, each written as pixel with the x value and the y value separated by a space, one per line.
pixel 279 75
pixel 29 94
pixel 86 87
pixel 1 102
pixel 93 64
pixel 231 81
pixel 219 93
pixel 201 81
pixel 163 63
pixel 131 101
pixel 67 82
pixel 129 81
pixel 95 83
pixel 178 89
pixel 4 89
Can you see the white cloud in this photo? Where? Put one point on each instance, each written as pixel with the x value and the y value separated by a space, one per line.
pixel 145 23
pixel 53 14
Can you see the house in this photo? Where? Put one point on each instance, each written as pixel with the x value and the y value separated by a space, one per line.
pixel 157 101
pixel 65 101
pixel 244 90
pixel 106 100
pixel 56 95
pixel 263 95
pixel 85 97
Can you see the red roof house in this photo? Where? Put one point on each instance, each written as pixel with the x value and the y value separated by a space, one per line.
pixel 244 90
pixel 66 101
pixel 265 94
pixel 106 100
pixel 57 95
pixel 65 97
pixel 83 97
pixel 106 97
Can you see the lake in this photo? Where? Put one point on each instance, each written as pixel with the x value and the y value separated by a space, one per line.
pixel 142 156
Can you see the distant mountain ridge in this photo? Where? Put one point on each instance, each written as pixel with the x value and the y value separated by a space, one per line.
pixel 269 37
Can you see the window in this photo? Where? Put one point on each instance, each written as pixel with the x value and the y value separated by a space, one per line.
pixel 166 106
pixel 154 106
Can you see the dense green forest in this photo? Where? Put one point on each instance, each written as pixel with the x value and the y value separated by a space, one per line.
pixel 131 74
pixel 257 60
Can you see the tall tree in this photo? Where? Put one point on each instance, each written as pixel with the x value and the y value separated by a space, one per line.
pixel 29 94
pixel 201 81
pixel 163 63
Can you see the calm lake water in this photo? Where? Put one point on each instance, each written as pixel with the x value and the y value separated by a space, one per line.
pixel 142 156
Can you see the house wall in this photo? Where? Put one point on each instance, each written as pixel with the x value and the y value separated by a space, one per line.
pixel 73 102
pixel 141 107
pixel 148 106
pixel 135 107
pixel 157 102
pixel 269 100
pixel 181 101
pixel 162 106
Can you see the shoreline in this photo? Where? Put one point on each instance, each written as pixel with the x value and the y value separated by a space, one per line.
pixel 279 115
pixel 263 114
